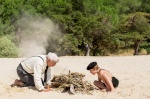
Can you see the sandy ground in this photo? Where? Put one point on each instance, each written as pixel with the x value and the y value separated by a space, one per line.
pixel 132 71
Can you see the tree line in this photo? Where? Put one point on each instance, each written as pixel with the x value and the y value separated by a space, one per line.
pixel 89 27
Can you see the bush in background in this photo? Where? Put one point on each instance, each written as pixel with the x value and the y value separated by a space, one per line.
pixel 7 48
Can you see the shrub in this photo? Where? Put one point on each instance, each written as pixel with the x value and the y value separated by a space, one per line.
pixel 143 51
pixel 7 48
pixel 148 50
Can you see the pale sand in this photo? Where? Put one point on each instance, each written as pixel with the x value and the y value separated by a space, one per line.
pixel 132 71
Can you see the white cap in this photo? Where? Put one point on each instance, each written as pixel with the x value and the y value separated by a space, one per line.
pixel 53 57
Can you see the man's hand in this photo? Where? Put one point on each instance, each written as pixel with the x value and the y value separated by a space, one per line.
pixel 47 86
pixel 46 89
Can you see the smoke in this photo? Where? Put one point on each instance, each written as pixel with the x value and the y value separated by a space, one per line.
pixel 34 34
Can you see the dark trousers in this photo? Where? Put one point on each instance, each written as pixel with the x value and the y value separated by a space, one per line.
pixel 25 77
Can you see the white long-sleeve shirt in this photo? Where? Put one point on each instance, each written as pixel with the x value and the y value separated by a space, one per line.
pixel 37 66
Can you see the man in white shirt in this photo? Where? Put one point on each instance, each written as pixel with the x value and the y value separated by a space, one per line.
pixel 30 71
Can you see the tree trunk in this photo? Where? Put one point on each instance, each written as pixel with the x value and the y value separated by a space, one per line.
pixel 136 47
pixel 95 47
pixel 95 51
pixel 87 50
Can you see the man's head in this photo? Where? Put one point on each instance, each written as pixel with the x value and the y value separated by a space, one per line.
pixel 93 68
pixel 52 59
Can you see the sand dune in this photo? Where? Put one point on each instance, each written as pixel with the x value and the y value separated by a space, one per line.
pixel 132 71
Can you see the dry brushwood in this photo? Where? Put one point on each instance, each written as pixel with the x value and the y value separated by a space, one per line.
pixel 73 83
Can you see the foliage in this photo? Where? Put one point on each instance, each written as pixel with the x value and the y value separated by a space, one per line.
pixel 106 26
pixel 135 28
pixel 7 48
pixel 5 28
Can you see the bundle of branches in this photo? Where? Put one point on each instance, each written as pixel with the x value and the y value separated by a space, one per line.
pixel 72 83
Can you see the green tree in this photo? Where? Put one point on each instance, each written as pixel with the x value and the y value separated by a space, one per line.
pixel 10 10
pixel 145 6
pixel 135 28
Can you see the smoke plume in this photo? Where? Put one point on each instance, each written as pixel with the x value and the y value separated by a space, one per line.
pixel 34 33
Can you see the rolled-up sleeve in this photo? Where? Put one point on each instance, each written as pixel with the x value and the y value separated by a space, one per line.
pixel 37 77
pixel 48 81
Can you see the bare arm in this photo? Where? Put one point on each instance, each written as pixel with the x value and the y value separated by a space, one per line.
pixel 108 82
